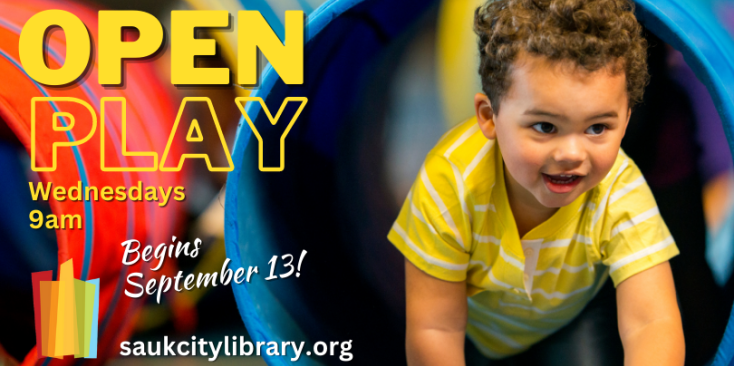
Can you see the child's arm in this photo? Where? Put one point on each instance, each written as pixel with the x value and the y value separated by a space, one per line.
pixel 436 312
pixel 649 319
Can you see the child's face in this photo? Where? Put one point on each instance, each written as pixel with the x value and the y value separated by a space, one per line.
pixel 559 128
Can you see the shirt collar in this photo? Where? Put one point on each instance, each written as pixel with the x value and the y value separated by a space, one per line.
pixel 510 237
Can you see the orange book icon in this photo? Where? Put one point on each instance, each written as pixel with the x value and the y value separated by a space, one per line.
pixel 66 313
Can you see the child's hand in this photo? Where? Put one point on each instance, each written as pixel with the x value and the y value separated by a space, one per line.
pixel 436 312
pixel 649 319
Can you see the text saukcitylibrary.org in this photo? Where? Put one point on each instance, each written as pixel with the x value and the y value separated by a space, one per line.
pixel 235 346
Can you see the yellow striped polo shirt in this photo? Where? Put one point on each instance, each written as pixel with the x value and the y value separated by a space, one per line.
pixel 456 225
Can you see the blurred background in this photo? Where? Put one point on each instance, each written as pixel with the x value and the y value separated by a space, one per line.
pixel 347 175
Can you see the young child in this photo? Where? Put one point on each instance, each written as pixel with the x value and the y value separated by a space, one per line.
pixel 529 207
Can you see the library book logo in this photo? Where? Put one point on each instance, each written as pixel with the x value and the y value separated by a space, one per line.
pixel 66 313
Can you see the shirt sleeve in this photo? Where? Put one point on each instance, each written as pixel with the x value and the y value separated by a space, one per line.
pixel 432 231
pixel 635 237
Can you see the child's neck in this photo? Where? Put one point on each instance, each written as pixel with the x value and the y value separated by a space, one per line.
pixel 526 210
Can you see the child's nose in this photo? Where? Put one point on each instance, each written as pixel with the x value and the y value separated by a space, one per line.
pixel 570 150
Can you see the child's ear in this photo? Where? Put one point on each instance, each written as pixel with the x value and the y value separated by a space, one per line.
pixel 485 115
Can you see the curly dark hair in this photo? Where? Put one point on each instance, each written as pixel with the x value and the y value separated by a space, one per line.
pixel 592 34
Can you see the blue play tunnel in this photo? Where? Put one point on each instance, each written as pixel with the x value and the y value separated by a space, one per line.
pixel 335 199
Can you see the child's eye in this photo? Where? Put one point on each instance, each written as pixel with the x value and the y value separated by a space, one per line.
pixel 544 127
pixel 596 129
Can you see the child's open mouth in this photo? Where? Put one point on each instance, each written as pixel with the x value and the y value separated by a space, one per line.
pixel 561 183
